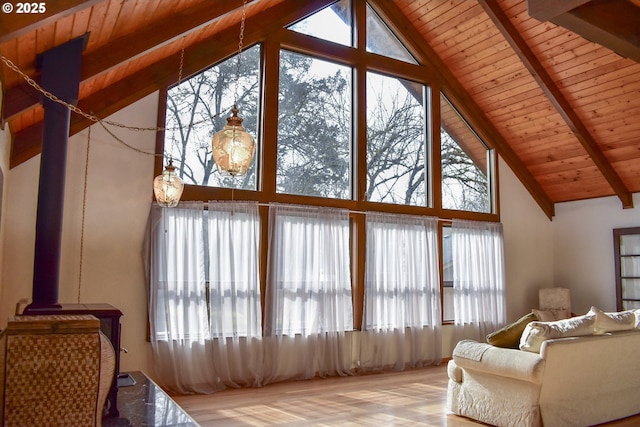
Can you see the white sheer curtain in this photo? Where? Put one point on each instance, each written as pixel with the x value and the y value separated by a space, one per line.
pixel 200 347
pixel 402 322
pixel 234 292
pixel 478 278
pixel 179 323
pixel 308 298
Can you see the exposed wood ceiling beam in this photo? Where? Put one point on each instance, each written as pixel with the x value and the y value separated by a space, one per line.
pixel 614 24
pixel 23 97
pixel 26 143
pixel 545 10
pixel 13 25
pixel 18 99
pixel 556 97
pixel 474 114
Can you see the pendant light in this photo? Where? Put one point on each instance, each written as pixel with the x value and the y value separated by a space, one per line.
pixel 168 187
pixel 233 147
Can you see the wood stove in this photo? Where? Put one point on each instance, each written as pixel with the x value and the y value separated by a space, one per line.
pixel 109 317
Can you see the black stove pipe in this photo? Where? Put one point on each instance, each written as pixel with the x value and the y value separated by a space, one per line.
pixel 60 71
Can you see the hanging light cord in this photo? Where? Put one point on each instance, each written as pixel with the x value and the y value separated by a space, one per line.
pixel 84 208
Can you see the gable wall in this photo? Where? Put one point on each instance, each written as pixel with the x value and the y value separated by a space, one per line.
pixel 118 198
pixel 119 195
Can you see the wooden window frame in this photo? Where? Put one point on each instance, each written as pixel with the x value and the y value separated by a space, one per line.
pixel 361 62
pixel 617 234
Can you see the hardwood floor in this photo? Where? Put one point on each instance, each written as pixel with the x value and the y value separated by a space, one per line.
pixel 410 398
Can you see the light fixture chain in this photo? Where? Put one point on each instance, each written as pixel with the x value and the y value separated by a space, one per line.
pixel 181 62
pixel 240 45
pixel 71 107
pixel 91 117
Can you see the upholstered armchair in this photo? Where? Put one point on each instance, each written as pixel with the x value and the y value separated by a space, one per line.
pixel 55 371
pixel 555 302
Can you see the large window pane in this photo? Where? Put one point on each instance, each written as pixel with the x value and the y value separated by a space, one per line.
pixel 396 141
pixel 199 106
pixel 233 269
pixel 447 276
pixel 402 287
pixel 465 162
pixel 309 277
pixel 314 127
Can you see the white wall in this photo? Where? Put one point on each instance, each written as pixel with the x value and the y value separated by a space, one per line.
pixel 118 198
pixel 5 150
pixel 528 245
pixel 583 249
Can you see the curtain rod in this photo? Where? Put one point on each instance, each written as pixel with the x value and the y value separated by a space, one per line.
pixel 351 211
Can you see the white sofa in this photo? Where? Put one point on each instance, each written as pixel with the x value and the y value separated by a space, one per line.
pixel 572 381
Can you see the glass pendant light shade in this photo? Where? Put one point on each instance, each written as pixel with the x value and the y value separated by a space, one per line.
pixel 168 187
pixel 233 147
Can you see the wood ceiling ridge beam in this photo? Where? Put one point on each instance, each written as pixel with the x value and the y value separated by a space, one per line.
pixel 556 97
pixel 16 24
pixel 20 98
pixel 545 10
pixel 613 24
pixel 26 143
pixel 456 92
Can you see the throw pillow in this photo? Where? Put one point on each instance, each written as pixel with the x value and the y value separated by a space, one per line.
pixel 551 315
pixel 611 322
pixel 535 333
pixel 509 335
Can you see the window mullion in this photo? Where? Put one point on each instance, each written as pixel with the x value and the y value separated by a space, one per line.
pixel 434 158
pixel 269 153
pixel 358 255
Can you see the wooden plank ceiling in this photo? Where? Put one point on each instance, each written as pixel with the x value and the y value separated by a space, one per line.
pixel 563 111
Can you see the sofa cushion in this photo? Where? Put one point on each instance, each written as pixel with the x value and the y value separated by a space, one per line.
pixel 470 349
pixel 535 333
pixel 611 322
pixel 503 362
pixel 509 335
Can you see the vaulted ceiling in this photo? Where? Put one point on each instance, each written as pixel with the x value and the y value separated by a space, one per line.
pixel 553 86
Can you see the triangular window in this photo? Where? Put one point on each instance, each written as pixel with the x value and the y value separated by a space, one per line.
pixel 332 23
pixel 381 40
pixel 465 163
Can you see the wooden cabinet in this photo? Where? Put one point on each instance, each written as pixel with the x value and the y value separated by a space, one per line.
pixel 626 246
